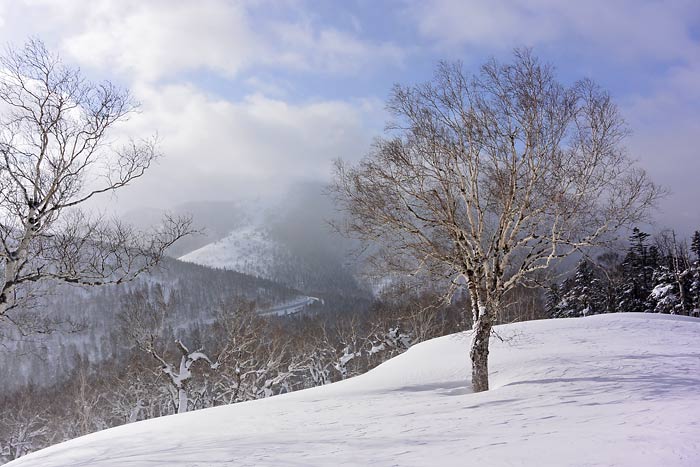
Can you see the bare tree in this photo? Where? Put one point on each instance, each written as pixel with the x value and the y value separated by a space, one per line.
pixel 484 180
pixel 255 359
pixel 180 378
pixel 56 153
pixel 146 324
pixel 22 429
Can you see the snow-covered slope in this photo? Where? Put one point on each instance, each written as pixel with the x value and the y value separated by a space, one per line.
pixel 248 249
pixel 287 240
pixel 277 252
pixel 602 390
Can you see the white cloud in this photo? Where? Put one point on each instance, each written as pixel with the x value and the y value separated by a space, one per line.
pixel 666 122
pixel 269 86
pixel 153 39
pixel 217 149
pixel 490 23
pixel 159 38
pixel 310 48
pixel 214 145
pixel 627 36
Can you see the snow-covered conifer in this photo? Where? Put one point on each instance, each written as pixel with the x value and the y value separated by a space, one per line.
pixel 581 295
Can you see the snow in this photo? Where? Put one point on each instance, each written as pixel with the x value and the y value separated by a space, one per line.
pixel 661 291
pixel 248 249
pixel 599 390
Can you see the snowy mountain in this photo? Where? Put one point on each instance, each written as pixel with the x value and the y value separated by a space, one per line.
pixel 248 249
pixel 213 219
pixel 268 249
pixel 602 390
pixel 277 252
pixel 287 241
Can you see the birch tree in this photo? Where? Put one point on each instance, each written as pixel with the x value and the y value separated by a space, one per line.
pixel 57 152
pixel 147 322
pixel 179 377
pixel 256 359
pixel 486 179
pixel 22 430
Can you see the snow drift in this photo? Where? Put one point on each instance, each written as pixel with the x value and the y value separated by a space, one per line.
pixel 601 390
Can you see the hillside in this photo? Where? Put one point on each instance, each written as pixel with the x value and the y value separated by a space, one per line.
pixel 248 249
pixel 286 239
pixel 47 359
pixel 601 390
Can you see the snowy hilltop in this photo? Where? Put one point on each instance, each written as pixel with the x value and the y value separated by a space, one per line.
pixel 287 241
pixel 616 389
pixel 248 249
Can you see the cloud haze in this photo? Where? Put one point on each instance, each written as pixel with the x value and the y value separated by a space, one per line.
pixel 250 95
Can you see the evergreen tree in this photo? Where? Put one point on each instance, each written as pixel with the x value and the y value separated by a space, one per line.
pixel 552 299
pixel 582 294
pixel 695 245
pixel 695 290
pixel 672 277
pixel 665 297
pixel 638 273
pixel 611 279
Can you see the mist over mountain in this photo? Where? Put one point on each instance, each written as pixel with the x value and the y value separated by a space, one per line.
pixel 272 251
pixel 212 219
pixel 321 258
pixel 287 239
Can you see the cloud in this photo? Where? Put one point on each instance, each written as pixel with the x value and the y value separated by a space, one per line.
pixel 666 122
pixel 327 49
pixel 148 40
pixel 218 149
pixel 650 47
pixel 158 39
pixel 491 23
pixel 258 132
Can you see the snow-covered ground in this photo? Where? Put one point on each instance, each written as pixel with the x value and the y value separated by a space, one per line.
pixel 248 249
pixel 601 390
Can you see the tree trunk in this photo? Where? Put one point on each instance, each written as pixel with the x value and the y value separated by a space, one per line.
pixel 480 352
pixel 182 400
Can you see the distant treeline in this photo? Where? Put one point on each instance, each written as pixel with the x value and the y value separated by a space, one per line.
pixel 655 275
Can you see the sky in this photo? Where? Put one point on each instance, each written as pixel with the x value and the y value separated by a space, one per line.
pixel 248 97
